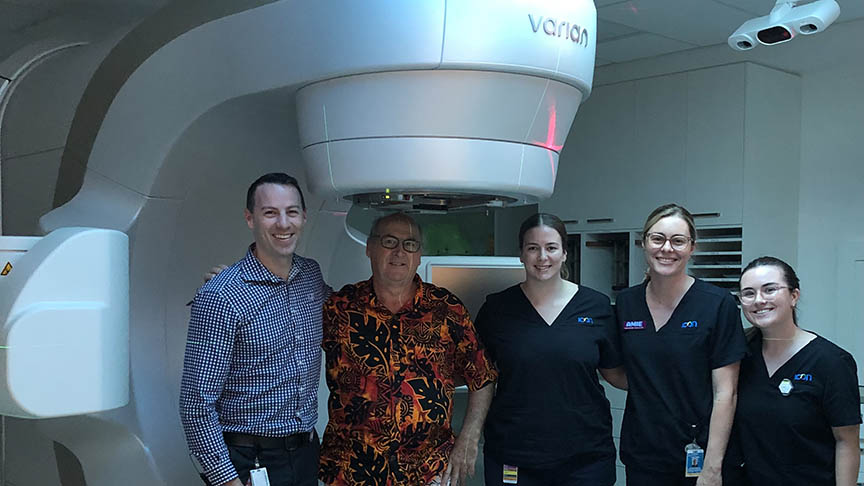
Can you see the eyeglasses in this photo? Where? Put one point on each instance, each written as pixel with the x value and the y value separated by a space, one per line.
pixel 657 240
pixel 769 292
pixel 390 242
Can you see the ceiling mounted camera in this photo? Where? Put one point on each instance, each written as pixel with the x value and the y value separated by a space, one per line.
pixel 786 20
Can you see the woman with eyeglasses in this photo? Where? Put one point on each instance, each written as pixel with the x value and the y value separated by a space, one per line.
pixel 681 341
pixel 549 423
pixel 798 413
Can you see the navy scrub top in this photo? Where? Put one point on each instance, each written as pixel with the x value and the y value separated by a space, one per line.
pixel 670 393
pixel 787 440
pixel 549 406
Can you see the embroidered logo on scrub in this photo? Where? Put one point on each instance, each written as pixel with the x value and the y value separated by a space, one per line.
pixel 585 320
pixel 803 377
pixel 630 325
pixel 689 324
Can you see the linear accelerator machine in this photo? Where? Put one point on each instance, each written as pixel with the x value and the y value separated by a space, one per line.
pixel 420 105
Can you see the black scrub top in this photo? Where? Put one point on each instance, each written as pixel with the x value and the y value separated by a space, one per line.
pixel 549 406
pixel 670 393
pixel 787 440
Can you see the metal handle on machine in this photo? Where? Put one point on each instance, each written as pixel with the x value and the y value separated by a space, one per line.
pixel 706 215
pixel 600 220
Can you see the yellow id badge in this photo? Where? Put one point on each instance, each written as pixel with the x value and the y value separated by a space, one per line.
pixel 511 474
pixel 694 458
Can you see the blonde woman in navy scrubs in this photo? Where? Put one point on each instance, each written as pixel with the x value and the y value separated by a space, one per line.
pixel 798 405
pixel 681 341
pixel 549 423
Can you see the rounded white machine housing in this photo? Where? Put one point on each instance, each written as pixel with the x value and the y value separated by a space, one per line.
pixel 65 337
pixel 473 108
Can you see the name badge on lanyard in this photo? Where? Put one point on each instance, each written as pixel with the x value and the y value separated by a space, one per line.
pixel 258 476
pixel 694 459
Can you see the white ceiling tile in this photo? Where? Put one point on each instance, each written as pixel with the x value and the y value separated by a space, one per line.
pixel 610 30
pixel 638 46
pixel 15 17
pixel 32 3
pixel 756 8
pixel 698 22
pixel 850 10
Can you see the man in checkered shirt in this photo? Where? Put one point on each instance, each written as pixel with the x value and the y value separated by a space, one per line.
pixel 250 374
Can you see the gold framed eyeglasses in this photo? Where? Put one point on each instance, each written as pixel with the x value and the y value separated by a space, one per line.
pixel 768 291
pixel 657 240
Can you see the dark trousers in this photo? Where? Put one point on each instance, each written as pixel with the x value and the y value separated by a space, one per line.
pixel 574 473
pixel 732 476
pixel 285 466
pixel 643 477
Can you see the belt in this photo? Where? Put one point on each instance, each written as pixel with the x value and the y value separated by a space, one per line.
pixel 294 441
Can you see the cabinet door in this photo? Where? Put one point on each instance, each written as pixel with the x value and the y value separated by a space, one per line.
pixel 657 169
pixel 598 149
pixel 715 144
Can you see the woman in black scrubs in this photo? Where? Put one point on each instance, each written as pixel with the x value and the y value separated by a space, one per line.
pixel 798 405
pixel 549 423
pixel 681 341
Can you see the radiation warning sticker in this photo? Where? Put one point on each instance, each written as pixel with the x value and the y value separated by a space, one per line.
pixel 6 269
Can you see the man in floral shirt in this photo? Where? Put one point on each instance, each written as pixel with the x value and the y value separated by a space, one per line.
pixel 395 349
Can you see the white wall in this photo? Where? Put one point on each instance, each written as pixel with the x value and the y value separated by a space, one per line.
pixel 830 172
pixel 831 206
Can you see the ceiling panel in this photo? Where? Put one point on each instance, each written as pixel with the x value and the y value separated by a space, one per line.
pixel 756 8
pixel 699 22
pixel 850 10
pixel 601 62
pixel 15 17
pixel 31 3
pixel 638 46
pixel 610 30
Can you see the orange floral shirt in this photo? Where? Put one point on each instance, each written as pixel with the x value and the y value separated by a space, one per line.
pixel 391 379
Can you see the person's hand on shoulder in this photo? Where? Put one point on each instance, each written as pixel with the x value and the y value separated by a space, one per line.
pixel 212 273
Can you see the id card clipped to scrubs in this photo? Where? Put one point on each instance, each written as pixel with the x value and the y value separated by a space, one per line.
pixel 511 474
pixel 694 458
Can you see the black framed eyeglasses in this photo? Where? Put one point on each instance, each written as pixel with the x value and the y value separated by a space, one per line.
pixel 390 242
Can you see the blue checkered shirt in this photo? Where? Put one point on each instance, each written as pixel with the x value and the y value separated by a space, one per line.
pixel 253 358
